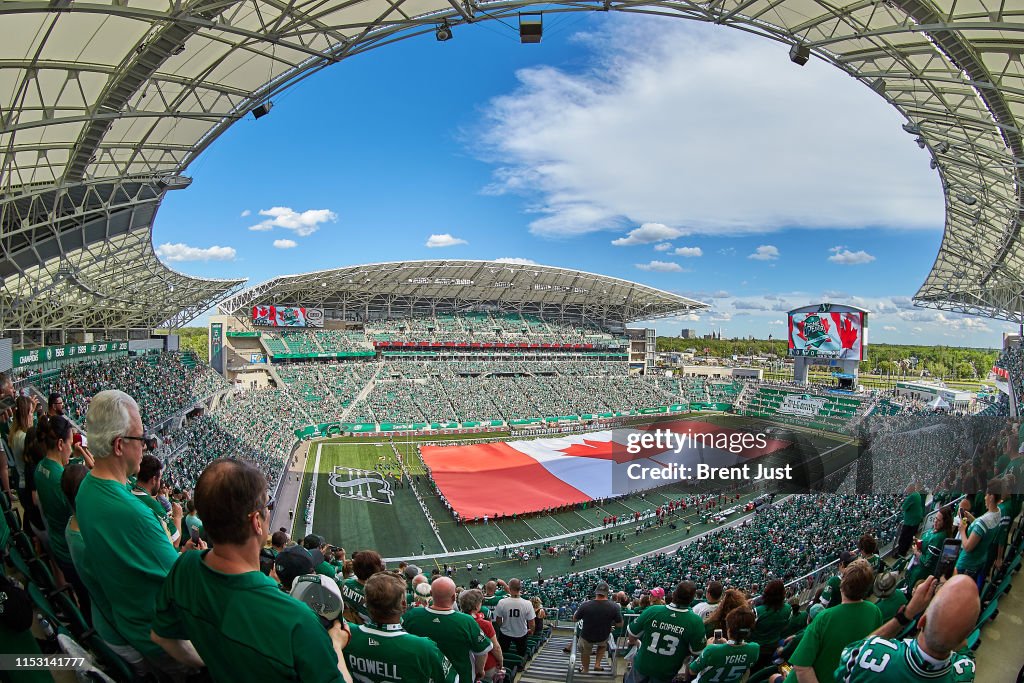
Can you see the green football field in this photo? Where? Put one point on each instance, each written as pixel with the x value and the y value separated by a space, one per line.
pixel 353 508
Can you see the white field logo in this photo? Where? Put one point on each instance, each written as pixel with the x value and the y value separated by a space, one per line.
pixel 364 485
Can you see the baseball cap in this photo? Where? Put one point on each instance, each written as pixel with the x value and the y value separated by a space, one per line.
pixel 846 557
pixel 601 589
pixel 312 541
pixel 885 584
pixel 658 592
pixel 814 610
pixel 411 571
pixel 292 562
pixel 321 594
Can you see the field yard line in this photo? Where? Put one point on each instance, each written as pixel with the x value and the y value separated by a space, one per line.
pixel 511 542
pixel 531 528
pixel 555 520
pixel 623 503
pixel 466 527
pixel 313 475
pixel 589 527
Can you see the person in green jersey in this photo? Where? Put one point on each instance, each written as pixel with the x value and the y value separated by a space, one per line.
pixel 867 548
pixel 382 651
pixel 316 542
pixel 494 592
pixel 56 434
pixel 126 548
pixel 977 534
pixel 888 599
pixel 831 595
pixel 667 635
pixel 772 618
pixel 817 655
pixel 457 634
pixel 242 626
pixel 928 549
pixel 932 656
pixel 913 512
pixel 727 661
pixel 146 486
pixel 365 564
pixel 70 482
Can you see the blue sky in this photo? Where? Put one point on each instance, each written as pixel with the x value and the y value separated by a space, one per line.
pixel 696 159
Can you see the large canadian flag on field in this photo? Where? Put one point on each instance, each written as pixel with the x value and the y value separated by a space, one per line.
pixel 525 476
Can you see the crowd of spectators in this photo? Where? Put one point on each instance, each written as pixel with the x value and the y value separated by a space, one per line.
pixel 164 383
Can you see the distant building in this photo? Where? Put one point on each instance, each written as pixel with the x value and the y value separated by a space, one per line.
pixel 687 333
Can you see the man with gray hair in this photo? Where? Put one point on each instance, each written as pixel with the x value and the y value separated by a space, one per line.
pixel 457 634
pixel 127 550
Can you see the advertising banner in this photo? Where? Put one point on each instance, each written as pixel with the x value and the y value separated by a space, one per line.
pixel 48 354
pixel 287 316
pixel 807 406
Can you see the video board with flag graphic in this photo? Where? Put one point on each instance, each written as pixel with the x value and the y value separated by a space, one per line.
pixel 287 316
pixel 828 331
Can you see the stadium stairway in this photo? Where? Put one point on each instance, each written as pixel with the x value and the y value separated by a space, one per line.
pixel 551 664
pixel 363 393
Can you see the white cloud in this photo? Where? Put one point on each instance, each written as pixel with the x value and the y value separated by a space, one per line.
pixel 889 328
pixel 765 252
pixel 444 240
pixel 516 261
pixel 661 267
pixel 664 246
pixel 844 256
pixel 743 305
pixel 620 141
pixel 178 251
pixel 720 316
pixel 689 252
pixel 648 233
pixel 304 224
pixel 285 244
pixel 777 322
pixel 246 213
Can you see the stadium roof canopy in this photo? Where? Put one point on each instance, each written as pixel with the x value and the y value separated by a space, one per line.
pixel 105 103
pixel 426 287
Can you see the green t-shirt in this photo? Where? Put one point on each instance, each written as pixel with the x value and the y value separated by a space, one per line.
pixel 352 594
pixel 129 554
pixel 987 527
pixel 242 625
pixel 668 635
pixel 158 510
pixel 913 509
pixel 831 594
pixel 931 548
pixel 881 660
pixel 831 631
pixel 387 653
pixel 725 662
pixel 491 602
pixel 55 506
pixel 770 624
pixel 99 610
pixel 457 634
pixel 890 605
pixel 797 622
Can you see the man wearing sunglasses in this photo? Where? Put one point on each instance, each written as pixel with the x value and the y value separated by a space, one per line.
pixel 127 550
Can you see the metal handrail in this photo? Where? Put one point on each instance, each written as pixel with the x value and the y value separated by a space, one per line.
pixel 572 652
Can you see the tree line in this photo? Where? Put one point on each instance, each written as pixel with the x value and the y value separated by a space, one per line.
pixel 883 359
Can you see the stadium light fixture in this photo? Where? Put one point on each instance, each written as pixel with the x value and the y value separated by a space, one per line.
pixel 968 199
pixel 262 109
pixel 912 128
pixel 942 147
pixel 531 27
pixel 443 33
pixel 799 54
pixel 921 143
